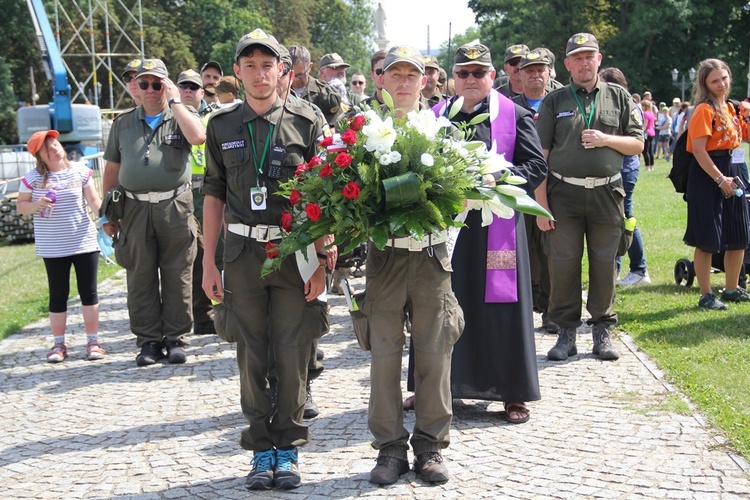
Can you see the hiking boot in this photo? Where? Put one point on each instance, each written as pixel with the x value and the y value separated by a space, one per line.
pixel 151 352
pixel 711 301
pixel 286 475
pixel 565 346
pixel 311 407
pixel 739 294
pixel 603 344
pixel 388 469
pixel 176 353
pixel 430 468
pixel 635 279
pixel 57 353
pixel 547 325
pixel 261 477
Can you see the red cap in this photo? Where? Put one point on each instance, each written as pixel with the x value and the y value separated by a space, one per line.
pixel 36 141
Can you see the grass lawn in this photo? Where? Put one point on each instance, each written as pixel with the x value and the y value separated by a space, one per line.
pixel 704 353
pixel 23 280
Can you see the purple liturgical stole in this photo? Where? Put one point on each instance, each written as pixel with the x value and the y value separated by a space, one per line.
pixel 502 278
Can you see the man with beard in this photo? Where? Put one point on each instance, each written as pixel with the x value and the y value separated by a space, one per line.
pixel 211 73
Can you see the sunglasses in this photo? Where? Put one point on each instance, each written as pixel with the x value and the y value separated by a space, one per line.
pixel 379 71
pixel 355 82
pixel 192 86
pixel 463 75
pixel 514 62
pixel 128 78
pixel 157 86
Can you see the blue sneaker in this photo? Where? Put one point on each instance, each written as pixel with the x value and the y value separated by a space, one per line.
pixel 261 477
pixel 287 474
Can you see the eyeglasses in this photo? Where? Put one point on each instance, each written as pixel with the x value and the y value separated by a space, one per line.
pixel 379 71
pixel 356 82
pixel 128 78
pixel 185 86
pixel 463 75
pixel 514 62
pixel 157 86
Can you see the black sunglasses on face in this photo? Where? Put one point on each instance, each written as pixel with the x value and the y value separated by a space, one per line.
pixel 128 78
pixel 157 86
pixel 379 71
pixel 355 82
pixel 191 86
pixel 514 62
pixel 463 75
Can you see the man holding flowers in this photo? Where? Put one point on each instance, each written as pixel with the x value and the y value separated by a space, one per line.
pixel 251 147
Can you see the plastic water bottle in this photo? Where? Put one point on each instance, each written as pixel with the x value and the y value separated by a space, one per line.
pixel 52 195
pixel 738 185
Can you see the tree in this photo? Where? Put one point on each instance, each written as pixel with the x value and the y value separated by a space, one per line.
pixel 345 27
pixel 447 54
pixel 8 132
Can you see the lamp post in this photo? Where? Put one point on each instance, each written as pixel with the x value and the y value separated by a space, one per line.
pixel 682 84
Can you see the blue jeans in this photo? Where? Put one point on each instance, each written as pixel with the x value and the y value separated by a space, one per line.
pixel 636 253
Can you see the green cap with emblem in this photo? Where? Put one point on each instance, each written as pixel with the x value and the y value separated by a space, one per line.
pixel 473 53
pixel 258 37
pixel 431 62
pixel 405 54
pixel 550 55
pixel 514 51
pixel 155 67
pixel 131 67
pixel 581 42
pixel 285 57
pixel 534 57
pixel 190 76
pixel 332 60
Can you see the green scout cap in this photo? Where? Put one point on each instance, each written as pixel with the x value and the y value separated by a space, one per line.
pixel 228 84
pixel 518 50
pixel 473 53
pixel 258 37
pixel 442 78
pixel 285 57
pixel 431 62
pixel 550 55
pixel 131 67
pixel 332 60
pixel 534 57
pixel 404 54
pixel 581 42
pixel 212 64
pixel 153 67
pixel 190 76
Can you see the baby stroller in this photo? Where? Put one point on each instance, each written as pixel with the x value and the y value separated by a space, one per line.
pixel 684 270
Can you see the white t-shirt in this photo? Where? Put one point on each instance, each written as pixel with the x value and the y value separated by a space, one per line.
pixel 67 230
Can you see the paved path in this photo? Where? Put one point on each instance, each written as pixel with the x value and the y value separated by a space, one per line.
pixel 107 429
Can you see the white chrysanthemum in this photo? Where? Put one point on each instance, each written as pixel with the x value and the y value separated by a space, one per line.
pixel 385 159
pixel 395 156
pixel 427 159
pixel 426 123
pixel 380 134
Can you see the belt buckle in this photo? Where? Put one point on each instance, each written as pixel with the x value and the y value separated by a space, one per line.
pixel 414 245
pixel 589 182
pixel 261 233
pixel 153 197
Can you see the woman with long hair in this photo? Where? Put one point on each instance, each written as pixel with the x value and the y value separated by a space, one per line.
pixel 649 129
pixel 717 178
pixel 56 193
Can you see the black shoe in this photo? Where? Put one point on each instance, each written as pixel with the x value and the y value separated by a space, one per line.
pixel 151 352
pixel 388 470
pixel 430 468
pixel 547 325
pixel 603 344
pixel 176 353
pixel 204 328
pixel 565 346
pixel 311 407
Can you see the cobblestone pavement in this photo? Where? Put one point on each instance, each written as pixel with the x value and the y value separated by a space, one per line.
pixel 107 429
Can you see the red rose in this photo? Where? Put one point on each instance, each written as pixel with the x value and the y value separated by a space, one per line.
pixel 357 123
pixel 351 191
pixel 301 169
pixel 343 160
pixel 326 171
pixel 314 162
pixel 327 141
pixel 286 221
pixel 295 197
pixel 313 211
pixel 349 137
pixel 272 250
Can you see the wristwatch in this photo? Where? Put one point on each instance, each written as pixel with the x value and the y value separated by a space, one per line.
pixel 175 100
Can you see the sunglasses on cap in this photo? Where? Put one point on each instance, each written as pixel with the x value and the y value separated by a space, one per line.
pixel 463 75
pixel 514 62
pixel 192 86
pixel 157 86
pixel 357 82
pixel 128 78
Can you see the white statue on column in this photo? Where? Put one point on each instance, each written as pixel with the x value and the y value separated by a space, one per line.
pixel 380 20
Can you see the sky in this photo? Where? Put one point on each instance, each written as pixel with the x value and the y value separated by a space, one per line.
pixel 407 21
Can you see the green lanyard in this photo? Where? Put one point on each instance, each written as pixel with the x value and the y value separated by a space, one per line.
pixel 588 118
pixel 259 164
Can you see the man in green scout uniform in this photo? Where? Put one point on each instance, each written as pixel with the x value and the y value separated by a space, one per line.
pixel 417 275
pixel 513 55
pixel 586 128
pixel 251 147
pixel 148 154
pixel 306 87
pixel 332 70
pixel 128 77
pixel 431 93
pixel 552 83
pixel 376 69
pixel 191 90
pixel 211 73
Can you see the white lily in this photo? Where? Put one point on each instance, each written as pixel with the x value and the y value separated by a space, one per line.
pixel 426 123
pixel 490 207
pixel 493 163
pixel 456 107
pixel 380 134
pixel 513 191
